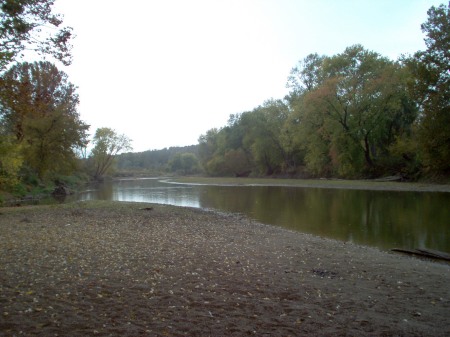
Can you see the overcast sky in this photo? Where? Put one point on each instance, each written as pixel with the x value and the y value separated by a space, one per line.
pixel 164 72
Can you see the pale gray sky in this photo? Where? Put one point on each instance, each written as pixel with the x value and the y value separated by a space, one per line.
pixel 165 72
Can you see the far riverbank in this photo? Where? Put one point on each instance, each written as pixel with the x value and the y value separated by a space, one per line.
pixel 376 185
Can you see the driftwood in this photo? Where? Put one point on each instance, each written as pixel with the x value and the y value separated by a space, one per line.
pixel 421 252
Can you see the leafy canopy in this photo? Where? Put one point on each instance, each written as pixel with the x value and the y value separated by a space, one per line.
pixel 38 107
pixel 31 25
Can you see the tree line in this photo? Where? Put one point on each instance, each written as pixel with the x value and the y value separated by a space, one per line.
pixel 354 114
pixel 179 160
pixel 42 133
pixel 351 115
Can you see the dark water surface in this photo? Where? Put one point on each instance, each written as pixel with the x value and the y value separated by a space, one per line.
pixel 383 219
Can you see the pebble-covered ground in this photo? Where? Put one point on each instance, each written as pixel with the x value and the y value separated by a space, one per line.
pixel 130 269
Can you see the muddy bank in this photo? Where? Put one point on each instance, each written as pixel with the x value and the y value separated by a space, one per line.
pixel 127 269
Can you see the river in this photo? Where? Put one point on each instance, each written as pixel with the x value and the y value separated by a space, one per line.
pixel 383 219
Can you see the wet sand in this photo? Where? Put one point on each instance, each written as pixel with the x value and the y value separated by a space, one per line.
pixel 122 269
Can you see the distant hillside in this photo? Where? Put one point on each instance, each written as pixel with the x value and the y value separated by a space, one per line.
pixel 153 160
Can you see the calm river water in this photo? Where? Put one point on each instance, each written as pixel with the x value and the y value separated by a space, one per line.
pixel 382 219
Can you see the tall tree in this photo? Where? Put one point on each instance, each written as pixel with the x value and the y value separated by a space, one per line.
pixel 432 89
pixel 107 144
pixel 357 109
pixel 38 106
pixel 31 25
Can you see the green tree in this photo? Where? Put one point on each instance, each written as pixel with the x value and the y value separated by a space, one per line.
pixel 184 163
pixel 31 25
pixel 207 145
pixel 38 106
pixel 356 110
pixel 212 149
pixel 266 136
pixel 10 162
pixel 432 90
pixel 255 141
pixel 307 75
pixel 107 144
pixel 310 137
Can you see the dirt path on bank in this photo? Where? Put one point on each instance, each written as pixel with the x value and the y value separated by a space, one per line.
pixel 117 269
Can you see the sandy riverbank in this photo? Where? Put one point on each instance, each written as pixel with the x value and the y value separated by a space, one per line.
pixel 367 185
pixel 116 269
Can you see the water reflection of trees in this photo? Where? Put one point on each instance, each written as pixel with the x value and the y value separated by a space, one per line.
pixel 379 218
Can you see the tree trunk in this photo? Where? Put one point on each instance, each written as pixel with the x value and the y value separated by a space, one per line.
pixel 367 152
